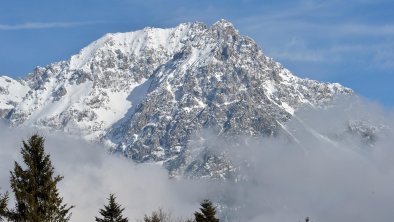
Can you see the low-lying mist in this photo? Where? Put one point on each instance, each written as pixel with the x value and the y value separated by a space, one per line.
pixel 331 164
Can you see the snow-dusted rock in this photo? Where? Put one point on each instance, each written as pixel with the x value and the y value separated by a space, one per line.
pixel 147 93
pixel 11 94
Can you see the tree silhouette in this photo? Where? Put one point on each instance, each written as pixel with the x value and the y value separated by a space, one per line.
pixel 208 212
pixel 36 194
pixel 112 212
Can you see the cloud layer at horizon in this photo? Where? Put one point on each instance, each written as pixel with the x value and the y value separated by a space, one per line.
pixel 315 168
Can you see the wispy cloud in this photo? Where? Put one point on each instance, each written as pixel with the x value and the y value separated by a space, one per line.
pixel 384 58
pixel 287 34
pixel 42 25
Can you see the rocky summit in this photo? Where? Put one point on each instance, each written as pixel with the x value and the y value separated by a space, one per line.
pixel 149 93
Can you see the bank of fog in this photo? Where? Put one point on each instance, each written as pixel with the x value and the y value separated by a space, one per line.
pixel 316 167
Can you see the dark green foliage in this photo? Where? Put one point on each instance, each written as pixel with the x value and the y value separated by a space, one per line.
pixel 36 194
pixel 3 206
pixel 207 214
pixel 112 212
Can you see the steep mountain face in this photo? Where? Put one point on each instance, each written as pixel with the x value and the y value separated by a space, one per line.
pixel 149 93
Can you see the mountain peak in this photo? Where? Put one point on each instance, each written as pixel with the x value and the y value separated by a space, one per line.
pixel 223 23
pixel 133 44
pixel 147 93
pixel 149 38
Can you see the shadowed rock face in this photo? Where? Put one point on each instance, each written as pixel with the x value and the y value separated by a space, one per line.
pixel 149 93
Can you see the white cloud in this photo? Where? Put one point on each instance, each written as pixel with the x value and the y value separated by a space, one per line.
pixel 42 25
pixel 329 174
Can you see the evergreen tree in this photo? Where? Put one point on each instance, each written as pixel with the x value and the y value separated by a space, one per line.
pixel 36 194
pixel 112 212
pixel 208 212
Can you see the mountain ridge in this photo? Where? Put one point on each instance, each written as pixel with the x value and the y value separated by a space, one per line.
pixel 147 93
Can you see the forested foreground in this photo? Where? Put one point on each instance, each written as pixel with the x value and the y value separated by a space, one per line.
pixel 37 199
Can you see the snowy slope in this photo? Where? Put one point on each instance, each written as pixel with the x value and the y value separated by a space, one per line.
pixel 90 92
pixel 11 94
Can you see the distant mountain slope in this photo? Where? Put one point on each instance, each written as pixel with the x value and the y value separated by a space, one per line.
pixel 148 93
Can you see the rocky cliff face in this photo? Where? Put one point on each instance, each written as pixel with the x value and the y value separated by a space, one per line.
pixel 149 93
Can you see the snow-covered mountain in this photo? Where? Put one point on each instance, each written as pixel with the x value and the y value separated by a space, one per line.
pixel 150 92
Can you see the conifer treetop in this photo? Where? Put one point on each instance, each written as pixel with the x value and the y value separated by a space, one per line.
pixel 207 214
pixel 34 186
pixel 112 212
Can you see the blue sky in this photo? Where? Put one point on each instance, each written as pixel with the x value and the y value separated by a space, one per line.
pixel 350 42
